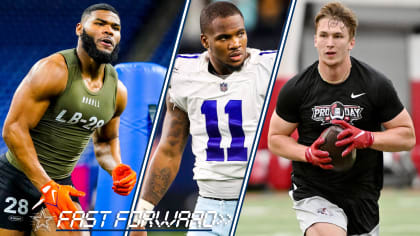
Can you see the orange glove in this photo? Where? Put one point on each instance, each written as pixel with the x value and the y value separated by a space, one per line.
pixel 124 179
pixel 57 199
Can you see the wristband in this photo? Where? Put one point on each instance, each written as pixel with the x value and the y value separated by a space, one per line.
pixel 145 205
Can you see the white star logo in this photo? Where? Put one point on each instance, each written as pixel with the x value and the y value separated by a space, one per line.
pixel 42 220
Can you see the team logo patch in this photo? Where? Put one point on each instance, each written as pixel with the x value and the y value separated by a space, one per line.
pixel 223 87
pixel 324 211
pixel 336 111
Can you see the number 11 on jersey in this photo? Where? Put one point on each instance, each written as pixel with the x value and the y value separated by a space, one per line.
pixel 237 151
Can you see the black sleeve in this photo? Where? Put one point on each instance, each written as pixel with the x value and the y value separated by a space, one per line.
pixel 389 104
pixel 288 102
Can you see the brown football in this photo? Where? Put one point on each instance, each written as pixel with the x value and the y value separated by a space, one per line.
pixel 340 163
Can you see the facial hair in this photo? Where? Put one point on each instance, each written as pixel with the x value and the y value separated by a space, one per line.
pixel 100 57
pixel 234 68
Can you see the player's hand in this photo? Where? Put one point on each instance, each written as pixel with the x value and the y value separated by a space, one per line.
pixel 57 199
pixel 317 157
pixel 352 136
pixel 124 179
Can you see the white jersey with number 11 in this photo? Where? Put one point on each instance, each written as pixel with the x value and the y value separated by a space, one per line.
pixel 223 111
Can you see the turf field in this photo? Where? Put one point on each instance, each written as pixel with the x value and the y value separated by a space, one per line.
pixel 271 214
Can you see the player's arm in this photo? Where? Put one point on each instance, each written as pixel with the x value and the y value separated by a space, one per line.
pixel 281 144
pixel 399 129
pixel 167 157
pixel 46 79
pixel 279 141
pixel 106 145
pixel 398 135
pixel 106 142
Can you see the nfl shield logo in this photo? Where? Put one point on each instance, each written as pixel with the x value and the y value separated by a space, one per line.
pixel 223 87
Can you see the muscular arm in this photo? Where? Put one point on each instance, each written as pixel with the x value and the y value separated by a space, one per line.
pixel 46 79
pixel 279 141
pixel 167 157
pixel 398 136
pixel 106 141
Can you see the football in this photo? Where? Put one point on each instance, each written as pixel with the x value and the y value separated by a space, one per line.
pixel 340 163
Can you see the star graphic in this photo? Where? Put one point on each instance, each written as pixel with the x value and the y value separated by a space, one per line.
pixel 42 220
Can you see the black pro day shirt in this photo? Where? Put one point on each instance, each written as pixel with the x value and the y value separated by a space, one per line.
pixel 365 99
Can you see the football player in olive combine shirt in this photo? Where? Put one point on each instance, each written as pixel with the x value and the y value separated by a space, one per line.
pixel 64 100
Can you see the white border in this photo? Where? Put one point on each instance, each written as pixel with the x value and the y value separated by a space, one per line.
pixel 262 116
pixel 158 114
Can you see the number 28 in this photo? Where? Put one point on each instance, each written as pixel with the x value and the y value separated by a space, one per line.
pixel 22 208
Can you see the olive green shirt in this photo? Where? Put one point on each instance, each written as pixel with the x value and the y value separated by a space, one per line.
pixel 67 125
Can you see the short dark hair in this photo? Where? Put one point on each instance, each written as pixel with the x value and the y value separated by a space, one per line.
pixel 217 9
pixel 99 6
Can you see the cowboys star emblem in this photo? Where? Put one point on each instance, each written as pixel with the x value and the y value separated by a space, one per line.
pixel 42 220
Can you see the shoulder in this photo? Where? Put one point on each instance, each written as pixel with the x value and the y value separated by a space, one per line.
pixel 264 58
pixel 112 70
pixel 375 82
pixel 54 64
pixel 368 73
pixel 121 89
pixel 185 63
pixel 122 94
pixel 262 55
pixel 294 92
pixel 305 78
pixel 49 74
pixel 187 66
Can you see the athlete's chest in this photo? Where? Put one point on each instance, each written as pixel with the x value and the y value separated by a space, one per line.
pixel 81 107
pixel 350 101
pixel 211 94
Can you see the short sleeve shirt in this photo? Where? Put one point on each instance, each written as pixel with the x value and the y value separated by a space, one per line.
pixel 365 99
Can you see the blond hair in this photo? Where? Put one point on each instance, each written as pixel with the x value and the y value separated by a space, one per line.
pixel 338 11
